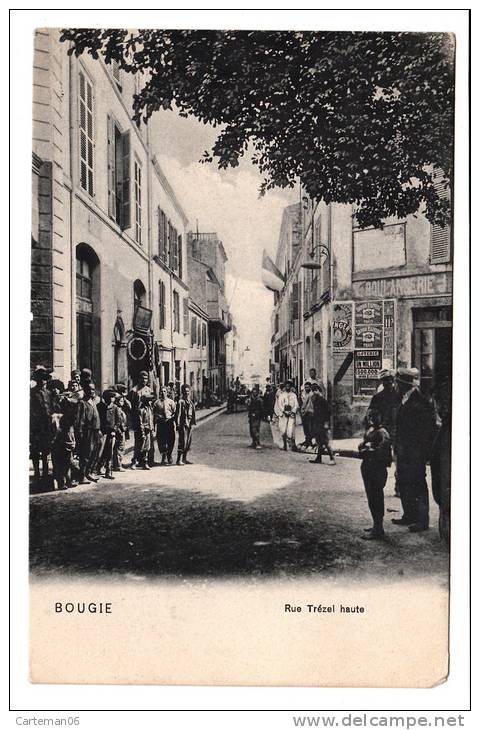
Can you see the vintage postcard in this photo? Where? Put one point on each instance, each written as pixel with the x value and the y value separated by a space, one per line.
pixel 241 357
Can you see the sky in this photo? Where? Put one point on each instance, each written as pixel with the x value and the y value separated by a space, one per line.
pixel 227 202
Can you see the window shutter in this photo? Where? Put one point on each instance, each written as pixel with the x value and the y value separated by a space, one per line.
pixel 185 316
pixel 175 249
pixel 112 202
pixel 125 218
pixel 295 300
pixel 171 252
pixel 86 133
pixel 194 331
pixel 204 334
pixel 199 333
pixel 440 238
pixel 180 256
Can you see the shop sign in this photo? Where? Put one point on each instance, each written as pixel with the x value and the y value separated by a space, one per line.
pixel 389 331
pixel 342 325
pixel 368 313
pixel 406 286
pixel 368 335
pixel 366 367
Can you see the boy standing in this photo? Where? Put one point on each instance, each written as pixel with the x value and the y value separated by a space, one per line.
pixel 144 428
pixel 186 420
pixel 376 453
pixel 164 410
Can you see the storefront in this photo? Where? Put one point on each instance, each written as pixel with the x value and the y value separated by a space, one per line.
pixel 403 321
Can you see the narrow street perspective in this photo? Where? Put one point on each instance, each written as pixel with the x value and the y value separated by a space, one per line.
pixel 234 511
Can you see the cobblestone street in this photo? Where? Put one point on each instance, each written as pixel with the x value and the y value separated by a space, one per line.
pixel 235 511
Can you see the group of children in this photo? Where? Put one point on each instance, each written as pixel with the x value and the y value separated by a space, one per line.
pixel 85 435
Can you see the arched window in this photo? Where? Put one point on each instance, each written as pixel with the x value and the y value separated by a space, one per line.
pixel 88 310
pixel 139 293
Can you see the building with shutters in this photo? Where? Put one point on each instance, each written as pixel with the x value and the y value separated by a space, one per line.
pixel 198 373
pixel 206 268
pixel 369 299
pixel 109 265
pixel 287 355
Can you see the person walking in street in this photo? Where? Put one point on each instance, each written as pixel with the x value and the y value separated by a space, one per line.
pixel 144 429
pixel 269 403
pixel 185 419
pixel 376 454
pixel 413 445
pixel 41 410
pixel 88 435
pixel 141 388
pixel 321 425
pixel 164 410
pixel 255 416
pixel 306 412
pixel 286 409
pixel 387 403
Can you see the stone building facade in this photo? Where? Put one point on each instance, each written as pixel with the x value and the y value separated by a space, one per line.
pixel 206 266
pixel 97 192
pixel 377 298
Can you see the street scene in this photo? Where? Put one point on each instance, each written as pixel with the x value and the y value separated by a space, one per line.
pixel 241 333
pixel 234 512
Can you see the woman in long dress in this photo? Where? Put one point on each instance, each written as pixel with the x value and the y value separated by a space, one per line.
pixel 286 409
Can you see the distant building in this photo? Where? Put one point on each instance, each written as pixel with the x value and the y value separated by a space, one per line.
pixel 232 349
pixel 206 266
pixel 287 324
pixel 198 353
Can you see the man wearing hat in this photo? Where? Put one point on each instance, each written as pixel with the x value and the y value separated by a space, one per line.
pixel 41 409
pixel 386 402
pixel 140 389
pixel 415 431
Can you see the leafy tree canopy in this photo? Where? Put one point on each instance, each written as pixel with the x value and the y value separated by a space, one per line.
pixel 359 118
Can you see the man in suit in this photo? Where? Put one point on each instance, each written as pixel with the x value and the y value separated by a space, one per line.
pixel 415 431
pixel 185 419
pixel 386 402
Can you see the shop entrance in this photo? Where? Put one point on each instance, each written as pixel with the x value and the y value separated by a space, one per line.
pixel 432 345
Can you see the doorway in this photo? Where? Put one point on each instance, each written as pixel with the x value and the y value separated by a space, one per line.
pixel 432 346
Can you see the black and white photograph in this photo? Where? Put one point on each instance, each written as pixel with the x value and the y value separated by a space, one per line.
pixel 242 257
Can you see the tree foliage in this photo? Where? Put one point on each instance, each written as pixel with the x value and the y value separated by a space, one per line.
pixel 359 118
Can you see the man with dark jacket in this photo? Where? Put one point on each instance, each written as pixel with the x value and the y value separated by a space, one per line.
pixel 387 402
pixel 414 437
pixel 320 425
pixel 255 415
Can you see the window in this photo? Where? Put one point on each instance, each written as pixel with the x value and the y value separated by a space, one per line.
pixel 194 331
pixel 118 153
pixel 84 279
pixel 138 203
pixel 86 133
pixel 176 312
pixel 162 236
pixel 161 305
pixel 117 74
